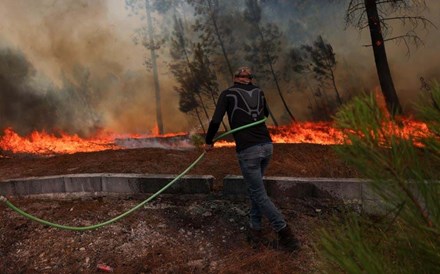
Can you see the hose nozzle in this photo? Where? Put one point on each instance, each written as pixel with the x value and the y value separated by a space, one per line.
pixel 3 198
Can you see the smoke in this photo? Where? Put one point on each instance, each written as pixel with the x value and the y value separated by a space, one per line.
pixel 21 106
pixel 76 69
pixel 72 65
pixel 303 21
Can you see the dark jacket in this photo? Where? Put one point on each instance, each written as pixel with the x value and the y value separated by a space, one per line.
pixel 244 104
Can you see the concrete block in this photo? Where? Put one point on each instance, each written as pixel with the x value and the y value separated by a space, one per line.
pixel 338 188
pixel 106 183
pixel 290 187
pixel 82 183
pixel 118 183
pixel 41 185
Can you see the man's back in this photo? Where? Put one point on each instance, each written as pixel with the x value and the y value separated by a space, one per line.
pixel 244 104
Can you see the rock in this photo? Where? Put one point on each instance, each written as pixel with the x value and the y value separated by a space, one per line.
pixel 196 263
pixel 239 211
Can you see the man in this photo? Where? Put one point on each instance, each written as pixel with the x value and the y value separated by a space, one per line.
pixel 245 103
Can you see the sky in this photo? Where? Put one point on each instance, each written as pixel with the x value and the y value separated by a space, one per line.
pixel 50 48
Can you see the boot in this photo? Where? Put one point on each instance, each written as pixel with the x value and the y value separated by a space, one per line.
pixel 287 240
pixel 255 238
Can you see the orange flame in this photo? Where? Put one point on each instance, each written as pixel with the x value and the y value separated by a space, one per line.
pixel 155 130
pixel 44 143
pixel 308 132
pixel 323 133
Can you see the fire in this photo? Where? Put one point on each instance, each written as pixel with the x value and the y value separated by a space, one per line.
pixel 323 133
pixel 155 129
pixel 308 132
pixel 48 144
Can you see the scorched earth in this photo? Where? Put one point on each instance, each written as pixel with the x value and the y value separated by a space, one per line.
pixel 173 234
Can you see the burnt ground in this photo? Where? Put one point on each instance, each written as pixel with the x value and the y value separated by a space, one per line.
pixel 173 234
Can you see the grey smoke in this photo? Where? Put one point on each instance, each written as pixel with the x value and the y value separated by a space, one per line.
pixel 72 66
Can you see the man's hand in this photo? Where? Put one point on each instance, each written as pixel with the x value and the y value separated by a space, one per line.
pixel 208 147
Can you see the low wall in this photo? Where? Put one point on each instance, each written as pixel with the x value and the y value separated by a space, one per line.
pixel 283 190
pixel 102 183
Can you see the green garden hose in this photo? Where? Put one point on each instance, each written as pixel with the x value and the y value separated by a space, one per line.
pixel 83 228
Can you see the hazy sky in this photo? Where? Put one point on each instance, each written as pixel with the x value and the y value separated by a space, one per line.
pixel 60 39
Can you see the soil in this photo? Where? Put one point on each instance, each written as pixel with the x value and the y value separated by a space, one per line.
pixel 172 234
pixel 293 160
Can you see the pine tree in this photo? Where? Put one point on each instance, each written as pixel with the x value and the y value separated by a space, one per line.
pixel 319 60
pixel 379 17
pixel 265 48
pixel 404 172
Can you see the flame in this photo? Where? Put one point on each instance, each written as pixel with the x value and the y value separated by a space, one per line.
pixel 308 132
pixel 323 133
pixel 155 130
pixel 44 143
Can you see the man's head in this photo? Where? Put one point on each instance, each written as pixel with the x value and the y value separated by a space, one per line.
pixel 243 75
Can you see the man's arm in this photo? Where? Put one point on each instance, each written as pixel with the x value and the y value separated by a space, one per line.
pixel 212 130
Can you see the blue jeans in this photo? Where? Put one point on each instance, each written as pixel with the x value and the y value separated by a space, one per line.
pixel 253 162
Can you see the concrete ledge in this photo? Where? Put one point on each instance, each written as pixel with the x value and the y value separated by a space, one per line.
pixel 285 190
pixel 106 183
pixel 343 188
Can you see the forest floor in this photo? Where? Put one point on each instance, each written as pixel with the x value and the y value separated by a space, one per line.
pixel 172 234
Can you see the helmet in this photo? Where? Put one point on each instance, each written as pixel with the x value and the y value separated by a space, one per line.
pixel 243 75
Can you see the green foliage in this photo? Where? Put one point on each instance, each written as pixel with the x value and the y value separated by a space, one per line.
pixel 197 140
pixel 404 170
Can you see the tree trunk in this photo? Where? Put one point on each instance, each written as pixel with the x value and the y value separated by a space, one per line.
pixel 154 64
pixel 274 76
pixel 338 97
pixel 202 103
pixel 200 120
pixel 220 40
pixel 380 57
pixel 273 118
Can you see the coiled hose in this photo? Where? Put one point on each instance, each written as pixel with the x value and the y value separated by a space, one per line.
pixel 121 216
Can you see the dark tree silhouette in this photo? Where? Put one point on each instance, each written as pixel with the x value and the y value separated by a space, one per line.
pixel 188 103
pixel 319 59
pixel 213 32
pixel 199 69
pixel 190 97
pixel 377 15
pixel 263 53
pixel 204 75
pixel 182 68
